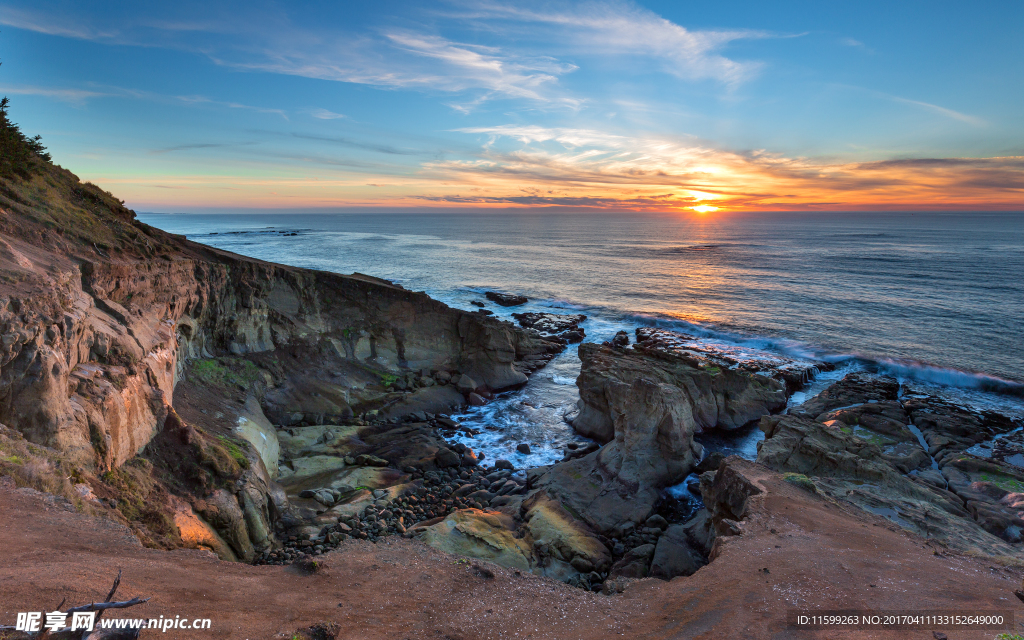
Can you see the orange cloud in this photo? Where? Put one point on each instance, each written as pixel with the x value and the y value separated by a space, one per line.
pixel 583 169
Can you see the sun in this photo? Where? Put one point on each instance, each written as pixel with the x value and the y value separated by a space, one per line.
pixel 704 208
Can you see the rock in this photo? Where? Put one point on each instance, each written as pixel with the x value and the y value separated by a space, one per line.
pixel 634 564
pixel 523 448
pixel 469 459
pixel 727 491
pixel 476 400
pixel 656 522
pixel 466 384
pixel 370 461
pixel 565 537
pixel 675 555
pixel 443 377
pixel 506 299
pixel 621 339
pixel 482 496
pixel 564 327
pixel 445 458
pixel 581 564
pixel 652 448
pixel 477 303
pixel 712 395
pixel 711 462
pixel 845 466
pixel 479 534
pixel 503 464
pixel 792 373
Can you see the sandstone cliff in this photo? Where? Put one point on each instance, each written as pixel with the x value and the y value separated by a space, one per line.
pixel 101 316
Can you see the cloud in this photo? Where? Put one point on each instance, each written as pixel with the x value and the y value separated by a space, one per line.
pixel 408 60
pixel 949 113
pixel 63 24
pixel 536 166
pixel 324 114
pixel 74 96
pixel 230 105
pixel 933 108
pixel 621 28
pixel 347 142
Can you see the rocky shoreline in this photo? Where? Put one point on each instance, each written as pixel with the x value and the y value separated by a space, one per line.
pixel 273 416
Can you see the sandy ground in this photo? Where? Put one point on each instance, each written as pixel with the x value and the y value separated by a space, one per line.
pixel 820 556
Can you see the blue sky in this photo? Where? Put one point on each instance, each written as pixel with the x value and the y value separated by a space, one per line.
pixel 605 105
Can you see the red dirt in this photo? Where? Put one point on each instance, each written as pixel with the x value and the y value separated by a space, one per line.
pixel 822 556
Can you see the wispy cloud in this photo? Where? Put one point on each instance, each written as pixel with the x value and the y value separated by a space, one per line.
pixel 63 24
pixel 226 104
pixel 942 111
pixel 927 106
pixel 429 61
pixel 74 96
pixel 324 114
pixel 624 28
pixel 408 60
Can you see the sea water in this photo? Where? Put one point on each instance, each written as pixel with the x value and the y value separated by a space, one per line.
pixel 936 299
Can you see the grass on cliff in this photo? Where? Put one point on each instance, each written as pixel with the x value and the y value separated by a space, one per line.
pixel 37 467
pixel 226 371
pixel 49 206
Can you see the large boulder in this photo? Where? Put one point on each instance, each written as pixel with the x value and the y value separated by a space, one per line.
pixel 506 299
pixel 635 563
pixel 716 396
pixel 675 554
pixel 487 535
pixel 555 530
pixel 652 448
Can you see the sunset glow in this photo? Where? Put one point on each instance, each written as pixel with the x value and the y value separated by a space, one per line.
pixel 610 106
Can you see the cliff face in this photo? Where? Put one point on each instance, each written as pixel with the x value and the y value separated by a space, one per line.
pixel 101 314
pixel 95 334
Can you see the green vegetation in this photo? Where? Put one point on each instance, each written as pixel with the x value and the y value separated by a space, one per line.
pixel 236 453
pixel 800 480
pixel 37 467
pixel 20 155
pixel 226 371
pixel 387 379
pixel 1006 483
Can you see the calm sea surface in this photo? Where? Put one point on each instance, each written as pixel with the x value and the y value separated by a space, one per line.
pixel 935 299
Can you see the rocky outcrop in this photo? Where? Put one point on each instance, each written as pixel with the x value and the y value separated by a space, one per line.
pixel 505 299
pixel 792 372
pixel 716 397
pixel 562 328
pixel 652 448
pixel 855 442
pixel 646 403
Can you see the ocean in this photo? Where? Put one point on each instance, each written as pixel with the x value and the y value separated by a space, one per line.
pixel 935 299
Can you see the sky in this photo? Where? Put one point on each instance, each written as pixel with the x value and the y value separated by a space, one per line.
pixel 492 106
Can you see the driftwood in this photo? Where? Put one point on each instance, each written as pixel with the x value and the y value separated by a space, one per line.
pixel 97 633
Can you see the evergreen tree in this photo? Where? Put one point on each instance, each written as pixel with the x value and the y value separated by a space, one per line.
pixel 19 154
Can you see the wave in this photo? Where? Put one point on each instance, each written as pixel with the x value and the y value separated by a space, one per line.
pixel 932 374
pixel 899 368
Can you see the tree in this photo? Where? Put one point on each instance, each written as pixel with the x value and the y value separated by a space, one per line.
pixel 19 154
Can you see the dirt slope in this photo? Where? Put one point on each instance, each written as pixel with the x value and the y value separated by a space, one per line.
pixel 821 556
